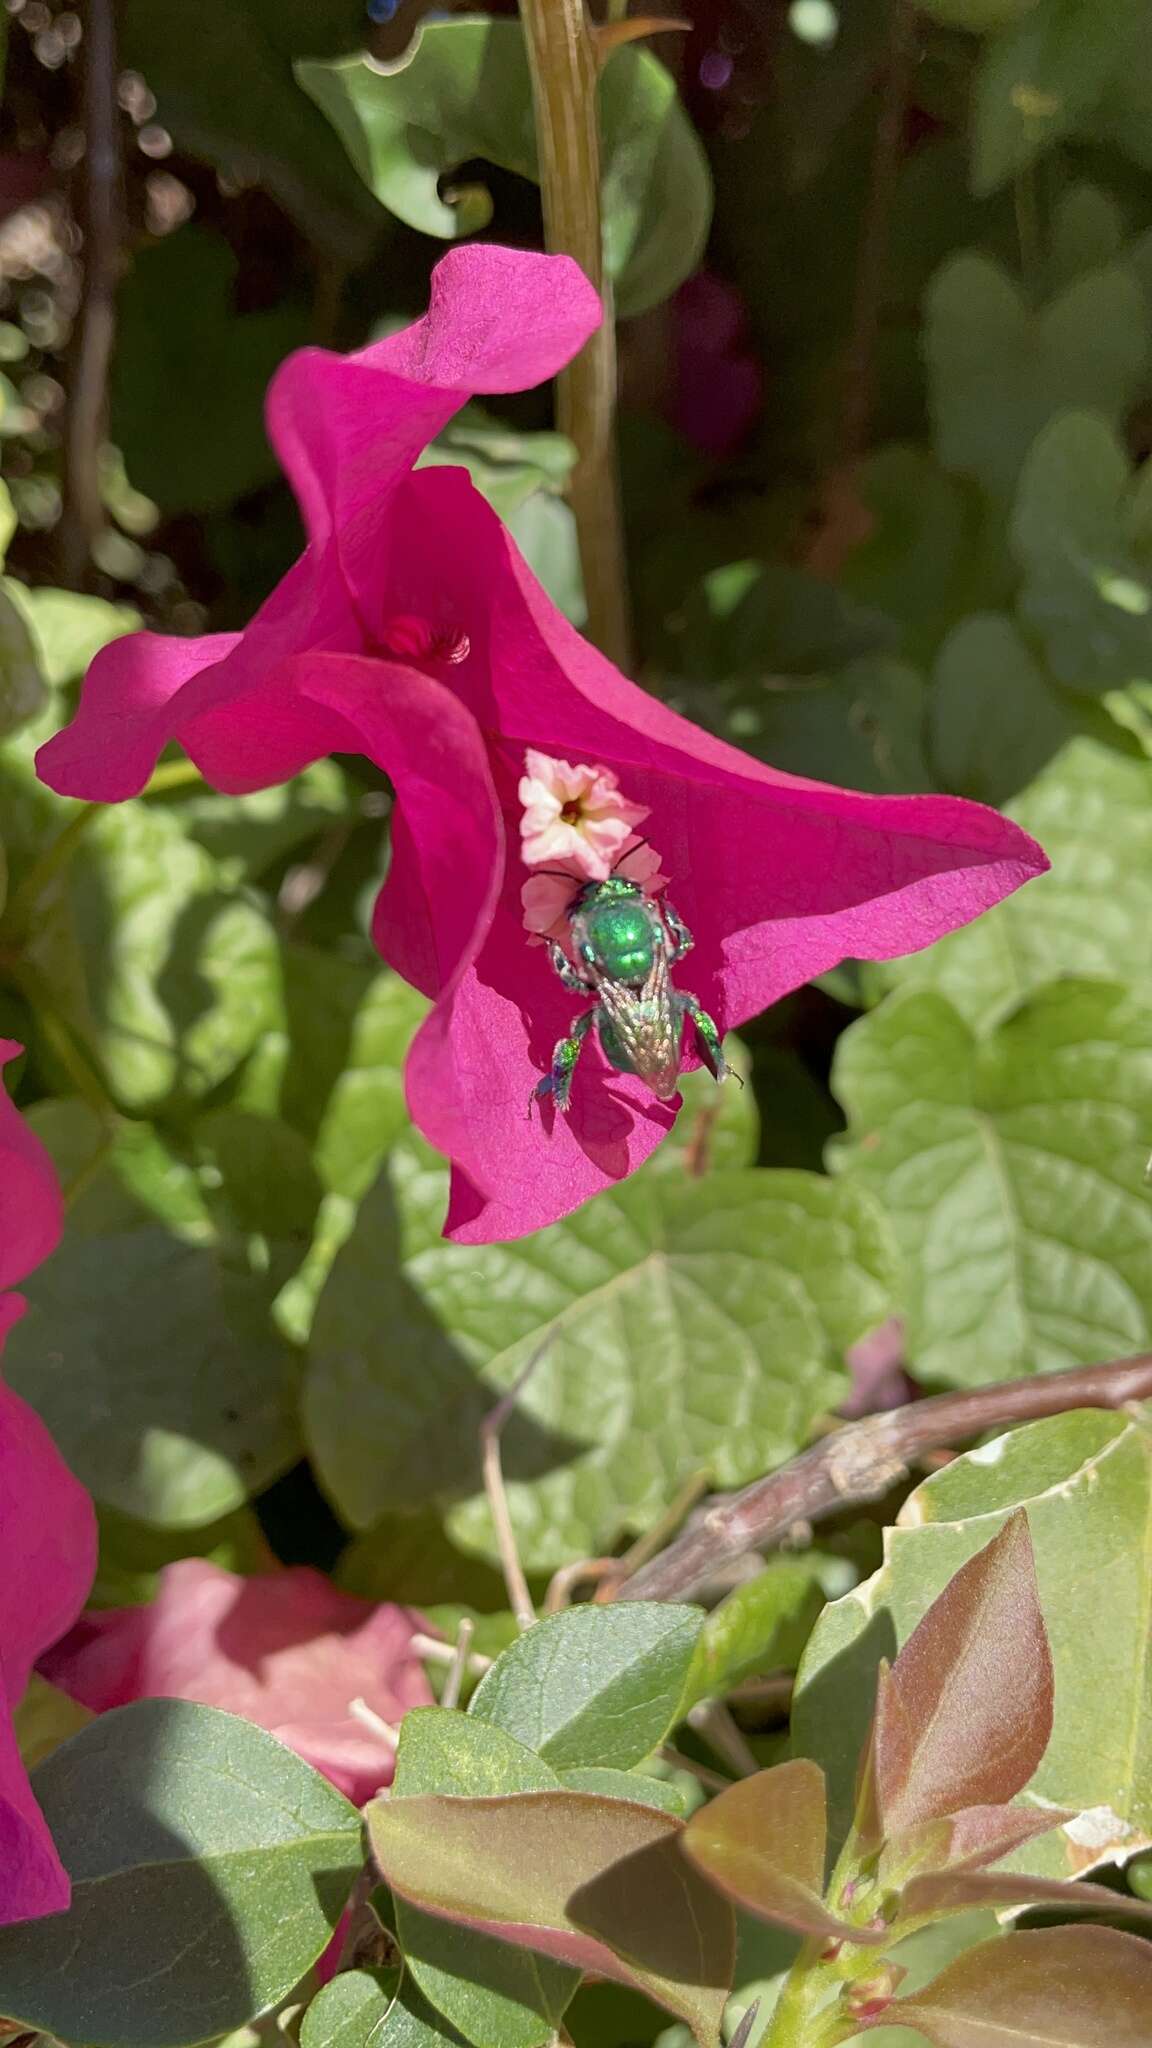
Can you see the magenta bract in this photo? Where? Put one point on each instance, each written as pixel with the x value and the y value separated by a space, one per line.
pixel 412 631
pixel 47 1527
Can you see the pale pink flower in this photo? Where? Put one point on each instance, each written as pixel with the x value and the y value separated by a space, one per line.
pixel 574 815
pixel 548 897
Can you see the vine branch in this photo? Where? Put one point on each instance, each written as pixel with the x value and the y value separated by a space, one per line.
pixel 563 59
pixel 863 1460
pixel 86 423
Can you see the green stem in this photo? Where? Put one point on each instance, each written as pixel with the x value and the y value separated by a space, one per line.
pixel 171 775
pixel 803 2018
pixel 44 871
pixel 62 1040
pixel 562 58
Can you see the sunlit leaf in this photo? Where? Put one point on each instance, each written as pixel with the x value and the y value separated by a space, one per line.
pixel 594 1882
pixel 596 1685
pixel 762 1842
pixel 964 1714
pixel 464 92
pixel 1062 1987
pixel 1086 1482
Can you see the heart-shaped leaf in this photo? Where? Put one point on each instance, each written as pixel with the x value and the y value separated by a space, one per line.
pixel 464 92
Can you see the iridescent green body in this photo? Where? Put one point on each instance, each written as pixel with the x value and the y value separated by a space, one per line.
pixel 623 944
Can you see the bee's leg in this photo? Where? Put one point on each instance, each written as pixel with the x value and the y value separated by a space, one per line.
pixel 682 940
pixel 557 1085
pixel 708 1038
pixel 571 976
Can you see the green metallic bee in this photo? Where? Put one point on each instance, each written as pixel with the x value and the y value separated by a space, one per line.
pixel 624 945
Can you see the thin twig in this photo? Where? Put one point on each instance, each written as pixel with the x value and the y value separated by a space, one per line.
pixel 491 1429
pixel 563 61
pixel 662 1530
pixel 715 1726
pixel 715 1780
pixel 872 257
pixel 453 1683
pixel 582 1571
pixel 375 1723
pixel 432 1651
pixel 86 425
pixel 864 1460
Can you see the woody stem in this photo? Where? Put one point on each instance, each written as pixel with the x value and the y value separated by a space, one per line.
pixel 562 57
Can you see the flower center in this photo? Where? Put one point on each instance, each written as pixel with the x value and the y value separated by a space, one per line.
pixel 572 813
pixel 411 638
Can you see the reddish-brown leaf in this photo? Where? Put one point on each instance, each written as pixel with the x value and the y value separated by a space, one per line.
pixel 1061 1987
pixel 970 1839
pixel 958 1891
pixel 599 1883
pixel 964 1716
pixel 763 1843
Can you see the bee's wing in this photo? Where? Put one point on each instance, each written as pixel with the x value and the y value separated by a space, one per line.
pixel 648 1026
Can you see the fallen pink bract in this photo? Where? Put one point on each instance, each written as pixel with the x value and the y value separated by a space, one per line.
pixel 412 631
pixel 47 1526
pixel 287 1650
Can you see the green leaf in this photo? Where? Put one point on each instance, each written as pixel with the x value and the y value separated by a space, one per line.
pixel 762 1843
pixel 979 17
pixel 1013 1171
pixel 229 96
pixel 929 556
pixel 696 1326
pixel 133 1554
pixel 1040 77
pixel 157 1371
pixel 350 2012
pixel 22 691
pixel 1082 533
pixel 1085 1480
pixel 598 1881
pixel 1057 1987
pixel 998 371
pixel 633 1785
pixel 68 629
pixel 413 2023
pixel 594 1685
pixel 964 1715
pixel 464 92
pixel 410 1559
pixel 209 1867
pixel 761 1626
pixel 523 477
pixel 182 972
pixel 190 374
pixel 1087 230
pixel 249 834
pixel 45 1718
pixel 485 1988
pixel 996 719
pixel 1091 810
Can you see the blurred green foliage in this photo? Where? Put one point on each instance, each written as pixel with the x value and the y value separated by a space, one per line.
pixel 253 1343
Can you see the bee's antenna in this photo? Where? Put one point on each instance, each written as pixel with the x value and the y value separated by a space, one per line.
pixel 559 875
